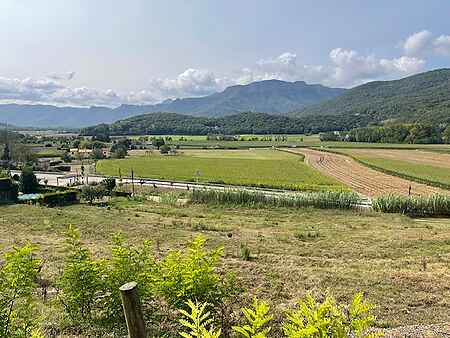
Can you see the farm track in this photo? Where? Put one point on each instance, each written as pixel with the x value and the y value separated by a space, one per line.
pixel 363 180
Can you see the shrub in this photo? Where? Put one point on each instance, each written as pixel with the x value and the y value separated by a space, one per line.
pixel 18 275
pixel 59 198
pixel 198 321
pixel 329 319
pixel 164 149
pixel 8 190
pixel 28 182
pixel 192 275
pixel 257 319
pixel 80 280
pixel 93 192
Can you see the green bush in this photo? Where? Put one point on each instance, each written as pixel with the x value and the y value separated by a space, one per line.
pixel 28 182
pixel 436 205
pixel 315 319
pixel 198 321
pixel 59 198
pixel 257 318
pixel 8 190
pixel 80 281
pixel 18 276
pixel 89 288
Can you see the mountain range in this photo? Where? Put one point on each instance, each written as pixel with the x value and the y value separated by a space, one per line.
pixel 270 96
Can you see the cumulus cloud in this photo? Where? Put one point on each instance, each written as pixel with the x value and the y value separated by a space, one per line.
pixel 351 68
pixel 442 45
pixel 418 42
pixel 192 82
pixel 345 68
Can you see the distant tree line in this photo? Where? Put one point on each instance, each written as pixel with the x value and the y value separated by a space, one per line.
pixel 400 133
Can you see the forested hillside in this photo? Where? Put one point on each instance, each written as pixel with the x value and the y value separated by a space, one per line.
pixel 420 98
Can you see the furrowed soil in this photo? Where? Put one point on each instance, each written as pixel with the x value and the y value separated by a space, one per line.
pixel 361 179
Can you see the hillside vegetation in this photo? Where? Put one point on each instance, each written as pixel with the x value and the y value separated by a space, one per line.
pixel 420 98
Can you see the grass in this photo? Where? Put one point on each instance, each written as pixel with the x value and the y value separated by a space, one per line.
pixel 260 168
pixel 292 250
pixel 433 206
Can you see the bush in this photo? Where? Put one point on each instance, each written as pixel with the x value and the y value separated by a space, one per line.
pixel 329 319
pixel 59 198
pixel 164 149
pixel 80 280
pixel 93 192
pixel 89 288
pixel 8 190
pixel 18 276
pixel 28 182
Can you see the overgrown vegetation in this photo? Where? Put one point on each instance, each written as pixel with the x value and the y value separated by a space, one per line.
pixel 322 200
pixel 424 206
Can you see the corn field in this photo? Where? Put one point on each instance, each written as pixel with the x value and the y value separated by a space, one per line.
pixel 322 200
pixel 435 205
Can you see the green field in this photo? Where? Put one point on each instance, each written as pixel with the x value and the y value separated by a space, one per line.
pixel 264 168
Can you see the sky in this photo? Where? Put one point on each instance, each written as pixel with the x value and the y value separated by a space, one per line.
pixel 110 52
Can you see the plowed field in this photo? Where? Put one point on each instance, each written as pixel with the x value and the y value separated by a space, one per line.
pixel 362 179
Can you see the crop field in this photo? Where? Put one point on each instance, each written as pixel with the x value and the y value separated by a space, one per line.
pixel 362 179
pixel 423 166
pixel 400 263
pixel 263 168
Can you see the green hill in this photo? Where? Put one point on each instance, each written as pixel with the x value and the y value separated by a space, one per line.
pixel 419 98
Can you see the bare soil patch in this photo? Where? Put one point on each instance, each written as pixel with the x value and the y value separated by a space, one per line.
pixel 362 179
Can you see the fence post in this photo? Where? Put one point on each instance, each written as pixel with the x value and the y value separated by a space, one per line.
pixel 132 310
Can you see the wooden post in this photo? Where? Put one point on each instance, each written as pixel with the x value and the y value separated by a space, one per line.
pixel 132 182
pixel 132 310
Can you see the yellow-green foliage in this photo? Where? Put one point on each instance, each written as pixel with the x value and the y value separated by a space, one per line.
pixel 312 319
pixel 198 321
pixel 257 317
pixel 436 205
pixel 18 276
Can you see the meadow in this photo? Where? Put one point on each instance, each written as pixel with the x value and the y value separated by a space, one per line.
pixel 401 264
pixel 261 168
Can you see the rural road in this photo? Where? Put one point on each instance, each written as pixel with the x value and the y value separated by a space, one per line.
pixel 363 180
pixel 62 179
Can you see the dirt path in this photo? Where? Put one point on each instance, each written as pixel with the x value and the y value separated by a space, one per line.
pixel 361 179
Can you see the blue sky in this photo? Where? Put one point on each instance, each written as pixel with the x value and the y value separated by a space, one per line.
pixel 85 52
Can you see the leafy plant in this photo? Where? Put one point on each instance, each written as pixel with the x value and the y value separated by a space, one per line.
pixel 28 182
pixel 18 276
pixel 257 317
pixel 328 319
pixel 80 280
pixel 198 321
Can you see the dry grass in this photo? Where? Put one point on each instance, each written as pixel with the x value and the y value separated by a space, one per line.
pixel 402 264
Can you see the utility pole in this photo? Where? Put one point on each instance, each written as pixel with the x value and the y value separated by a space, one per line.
pixel 132 182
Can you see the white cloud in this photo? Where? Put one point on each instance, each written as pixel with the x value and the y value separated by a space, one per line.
pixel 418 43
pixel 350 68
pixel 442 45
pixel 62 76
pixel 346 68
pixel 192 82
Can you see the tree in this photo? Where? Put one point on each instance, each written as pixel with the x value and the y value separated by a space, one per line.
pixel 158 142
pixel 119 152
pixel 109 184
pixel 6 156
pixel 93 192
pixel 67 158
pixel 164 149
pixel 97 154
pixel 28 182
